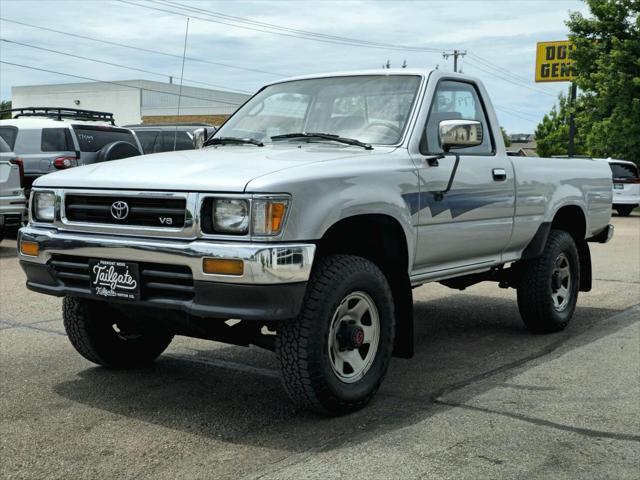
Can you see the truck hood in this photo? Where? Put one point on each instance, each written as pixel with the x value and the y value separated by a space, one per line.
pixel 219 169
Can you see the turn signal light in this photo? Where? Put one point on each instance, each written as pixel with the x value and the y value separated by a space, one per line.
pixel 223 266
pixel 29 248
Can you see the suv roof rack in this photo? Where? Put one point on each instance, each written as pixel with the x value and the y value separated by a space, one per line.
pixel 170 124
pixel 60 113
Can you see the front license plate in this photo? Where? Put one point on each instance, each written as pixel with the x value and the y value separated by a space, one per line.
pixel 114 279
pixel 618 186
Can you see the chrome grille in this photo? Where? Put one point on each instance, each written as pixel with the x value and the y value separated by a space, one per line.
pixel 140 211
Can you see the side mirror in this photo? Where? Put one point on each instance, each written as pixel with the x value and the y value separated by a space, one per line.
pixel 459 134
pixel 199 137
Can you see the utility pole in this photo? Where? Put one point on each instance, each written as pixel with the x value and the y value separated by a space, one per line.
pixel 455 54
pixel 573 93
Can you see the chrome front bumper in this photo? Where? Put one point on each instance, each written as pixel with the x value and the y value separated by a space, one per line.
pixel 264 264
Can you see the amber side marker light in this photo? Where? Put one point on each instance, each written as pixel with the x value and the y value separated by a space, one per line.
pixel 223 266
pixel 29 248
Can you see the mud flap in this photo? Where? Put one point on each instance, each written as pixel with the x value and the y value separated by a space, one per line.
pixel 584 254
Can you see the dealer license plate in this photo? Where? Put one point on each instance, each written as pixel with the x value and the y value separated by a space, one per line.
pixel 114 279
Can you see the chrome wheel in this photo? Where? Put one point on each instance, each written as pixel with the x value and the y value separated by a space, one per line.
pixel 354 336
pixel 561 283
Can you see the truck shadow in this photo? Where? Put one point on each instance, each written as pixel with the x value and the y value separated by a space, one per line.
pixel 233 394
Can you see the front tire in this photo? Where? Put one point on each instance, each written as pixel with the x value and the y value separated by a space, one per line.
pixel 334 356
pixel 103 335
pixel 549 285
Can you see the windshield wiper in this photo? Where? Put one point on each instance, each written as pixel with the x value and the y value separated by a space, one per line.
pixel 324 136
pixel 236 140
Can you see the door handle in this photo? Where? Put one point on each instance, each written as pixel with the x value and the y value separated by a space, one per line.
pixel 499 174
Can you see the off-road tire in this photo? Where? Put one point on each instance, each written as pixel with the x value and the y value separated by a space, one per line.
pixel 90 328
pixel 624 211
pixel 535 286
pixel 301 343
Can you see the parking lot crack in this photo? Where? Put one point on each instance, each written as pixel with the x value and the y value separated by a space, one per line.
pixel 547 423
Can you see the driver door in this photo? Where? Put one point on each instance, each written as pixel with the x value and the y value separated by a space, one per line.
pixel 472 223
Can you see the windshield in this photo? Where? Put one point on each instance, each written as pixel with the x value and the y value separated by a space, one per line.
pixel 372 109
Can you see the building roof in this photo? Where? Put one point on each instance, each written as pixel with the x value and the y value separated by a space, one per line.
pixel 156 98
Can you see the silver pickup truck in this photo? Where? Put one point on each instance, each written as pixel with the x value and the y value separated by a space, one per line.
pixel 305 222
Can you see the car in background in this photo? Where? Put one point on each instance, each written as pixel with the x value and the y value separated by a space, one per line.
pixel 13 203
pixel 50 139
pixel 626 185
pixel 167 137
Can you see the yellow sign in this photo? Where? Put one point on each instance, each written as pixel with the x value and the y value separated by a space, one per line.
pixel 553 63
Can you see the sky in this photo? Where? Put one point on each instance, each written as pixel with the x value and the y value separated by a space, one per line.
pixel 499 37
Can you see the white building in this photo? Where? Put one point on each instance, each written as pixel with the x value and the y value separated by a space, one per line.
pixel 134 101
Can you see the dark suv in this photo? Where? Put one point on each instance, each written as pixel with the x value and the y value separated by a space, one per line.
pixel 167 137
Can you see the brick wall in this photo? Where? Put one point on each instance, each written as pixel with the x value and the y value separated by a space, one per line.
pixel 211 119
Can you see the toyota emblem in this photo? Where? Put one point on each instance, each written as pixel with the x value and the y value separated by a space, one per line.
pixel 119 210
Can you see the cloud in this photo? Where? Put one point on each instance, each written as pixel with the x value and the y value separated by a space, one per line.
pixel 502 32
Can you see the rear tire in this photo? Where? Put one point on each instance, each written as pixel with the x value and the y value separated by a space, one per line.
pixel 624 211
pixel 104 336
pixel 549 285
pixel 334 356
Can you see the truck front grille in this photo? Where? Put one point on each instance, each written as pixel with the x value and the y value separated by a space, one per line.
pixel 157 281
pixel 126 210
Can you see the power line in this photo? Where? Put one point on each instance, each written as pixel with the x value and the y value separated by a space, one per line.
pixel 141 49
pixel 508 80
pixel 275 29
pixel 305 33
pixel 241 22
pixel 513 114
pixel 114 64
pixel 503 71
pixel 212 100
pixel 516 112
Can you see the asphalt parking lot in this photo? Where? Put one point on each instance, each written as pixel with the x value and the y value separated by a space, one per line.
pixel 481 399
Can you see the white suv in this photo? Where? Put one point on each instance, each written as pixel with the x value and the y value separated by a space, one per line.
pixel 50 139
pixel 13 204
pixel 626 186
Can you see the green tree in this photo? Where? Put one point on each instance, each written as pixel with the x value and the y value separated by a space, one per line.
pixel 505 137
pixel 5 105
pixel 607 66
pixel 552 133
pixel 607 60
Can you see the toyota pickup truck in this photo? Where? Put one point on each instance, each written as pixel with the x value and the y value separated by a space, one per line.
pixel 303 225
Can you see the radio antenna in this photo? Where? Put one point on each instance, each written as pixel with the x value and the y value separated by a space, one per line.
pixel 184 55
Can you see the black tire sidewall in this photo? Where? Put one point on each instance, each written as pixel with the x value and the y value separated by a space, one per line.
pixel 371 285
pixel 302 343
pixel 566 246
pixel 534 297
pixel 89 326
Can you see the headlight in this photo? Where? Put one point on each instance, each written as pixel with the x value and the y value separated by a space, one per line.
pixel 268 216
pixel 230 215
pixel 44 206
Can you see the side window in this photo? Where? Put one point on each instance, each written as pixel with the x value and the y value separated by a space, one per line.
pixel 454 101
pixel 56 140
pixel 182 139
pixel 149 139
pixel 9 135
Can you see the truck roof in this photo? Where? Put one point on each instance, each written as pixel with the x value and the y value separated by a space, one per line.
pixel 350 73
